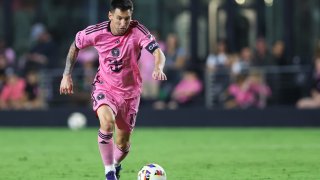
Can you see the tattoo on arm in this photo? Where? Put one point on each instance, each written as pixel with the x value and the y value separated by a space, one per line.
pixel 71 59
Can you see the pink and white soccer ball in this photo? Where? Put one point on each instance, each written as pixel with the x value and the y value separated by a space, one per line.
pixel 152 172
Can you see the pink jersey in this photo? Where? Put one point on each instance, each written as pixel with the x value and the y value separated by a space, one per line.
pixel 118 56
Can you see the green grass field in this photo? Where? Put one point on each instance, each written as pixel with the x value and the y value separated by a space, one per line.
pixel 185 154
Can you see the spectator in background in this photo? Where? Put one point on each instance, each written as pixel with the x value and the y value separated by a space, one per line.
pixel 313 101
pixel 259 88
pixel 7 52
pixel 176 57
pixel 43 52
pixel 88 58
pixel 218 57
pixel 248 91
pixel 218 65
pixel 150 87
pixel 3 67
pixel 176 61
pixel 278 53
pixel 12 94
pixel 186 90
pixel 262 56
pixel 34 98
pixel 242 64
pixel 238 94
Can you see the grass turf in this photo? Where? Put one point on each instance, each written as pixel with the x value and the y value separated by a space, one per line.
pixel 185 154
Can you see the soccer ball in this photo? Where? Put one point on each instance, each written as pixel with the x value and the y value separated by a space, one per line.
pixel 77 121
pixel 152 172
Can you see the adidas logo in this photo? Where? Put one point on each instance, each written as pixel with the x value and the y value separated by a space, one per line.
pixel 103 142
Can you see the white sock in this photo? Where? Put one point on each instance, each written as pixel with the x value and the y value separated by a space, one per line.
pixel 109 168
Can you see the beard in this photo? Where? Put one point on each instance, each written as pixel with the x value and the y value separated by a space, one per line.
pixel 122 31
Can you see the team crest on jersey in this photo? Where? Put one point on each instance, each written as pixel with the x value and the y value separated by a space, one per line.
pixel 115 52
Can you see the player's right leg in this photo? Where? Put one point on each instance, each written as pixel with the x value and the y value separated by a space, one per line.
pixel 105 139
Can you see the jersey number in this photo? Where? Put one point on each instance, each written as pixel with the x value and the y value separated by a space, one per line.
pixel 115 65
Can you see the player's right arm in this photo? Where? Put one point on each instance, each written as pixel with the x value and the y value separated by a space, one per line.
pixel 66 86
pixel 83 39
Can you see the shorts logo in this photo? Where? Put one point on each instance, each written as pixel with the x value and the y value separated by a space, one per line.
pixel 100 96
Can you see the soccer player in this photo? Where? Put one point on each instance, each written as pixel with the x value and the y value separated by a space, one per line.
pixel 117 84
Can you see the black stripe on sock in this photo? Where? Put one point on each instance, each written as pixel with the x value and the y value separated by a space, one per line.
pixel 105 136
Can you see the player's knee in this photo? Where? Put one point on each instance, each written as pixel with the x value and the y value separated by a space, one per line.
pixel 107 120
pixel 123 146
pixel 107 123
pixel 122 143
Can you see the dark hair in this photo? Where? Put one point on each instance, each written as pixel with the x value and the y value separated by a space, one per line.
pixel 123 5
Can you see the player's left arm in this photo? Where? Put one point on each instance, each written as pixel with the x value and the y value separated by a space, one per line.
pixel 148 41
pixel 160 60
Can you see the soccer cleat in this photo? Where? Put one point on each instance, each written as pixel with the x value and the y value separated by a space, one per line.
pixel 111 176
pixel 118 169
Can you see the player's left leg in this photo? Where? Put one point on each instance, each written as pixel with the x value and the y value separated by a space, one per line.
pixel 121 149
pixel 122 145
pixel 124 127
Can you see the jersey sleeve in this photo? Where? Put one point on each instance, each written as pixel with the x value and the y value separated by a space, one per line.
pixel 83 39
pixel 147 40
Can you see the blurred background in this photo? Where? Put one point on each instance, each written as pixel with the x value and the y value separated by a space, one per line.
pixel 222 56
